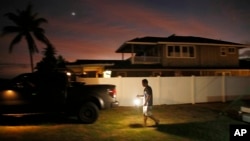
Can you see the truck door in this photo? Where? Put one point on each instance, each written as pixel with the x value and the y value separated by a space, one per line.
pixel 22 94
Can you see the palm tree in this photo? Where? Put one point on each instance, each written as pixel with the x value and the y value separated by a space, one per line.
pixel 27 25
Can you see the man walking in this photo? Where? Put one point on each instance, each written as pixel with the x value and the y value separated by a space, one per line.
pixel 147 103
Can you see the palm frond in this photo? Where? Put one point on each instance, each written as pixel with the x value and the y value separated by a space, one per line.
pixel 10 30
pixel 13 17
pixel 41 37
pixel 39 29
pixel 29 9
pixel 39 21
pixel 16 40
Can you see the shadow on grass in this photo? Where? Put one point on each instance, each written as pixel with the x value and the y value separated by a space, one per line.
pixel 37 120
pixel 136 125
pixel 202 131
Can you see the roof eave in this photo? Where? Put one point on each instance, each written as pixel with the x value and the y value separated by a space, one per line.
pixel 210 44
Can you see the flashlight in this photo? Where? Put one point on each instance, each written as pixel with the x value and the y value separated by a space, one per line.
pixel 137 102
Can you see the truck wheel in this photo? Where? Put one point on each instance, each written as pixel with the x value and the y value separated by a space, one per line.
pixel 88 113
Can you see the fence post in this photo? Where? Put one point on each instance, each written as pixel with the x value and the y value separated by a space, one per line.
pixel 223 88
pixel 159 89
pixel 193 89
pixel 119 90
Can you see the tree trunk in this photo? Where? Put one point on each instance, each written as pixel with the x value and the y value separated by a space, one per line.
pixel 31 61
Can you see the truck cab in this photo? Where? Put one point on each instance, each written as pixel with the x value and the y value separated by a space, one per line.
pixel 49 93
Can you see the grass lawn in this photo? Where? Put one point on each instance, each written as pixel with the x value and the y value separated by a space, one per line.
pixel 201 122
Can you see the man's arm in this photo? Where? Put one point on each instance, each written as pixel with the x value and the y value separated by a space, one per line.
pixel 140 95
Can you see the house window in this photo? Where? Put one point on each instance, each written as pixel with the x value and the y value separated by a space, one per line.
pixel 181 51
pixel 231 50
pixel 223 51
pixel 177 51
pixel 170 51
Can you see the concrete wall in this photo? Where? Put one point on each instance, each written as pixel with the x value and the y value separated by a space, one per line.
pixel 178 90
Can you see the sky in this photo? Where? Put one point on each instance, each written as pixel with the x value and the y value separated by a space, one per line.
pixel 94 29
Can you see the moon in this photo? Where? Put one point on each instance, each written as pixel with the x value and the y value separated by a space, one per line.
pixel 73 13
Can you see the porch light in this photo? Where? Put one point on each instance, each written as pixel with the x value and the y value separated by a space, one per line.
pixel 68 74
pixel 107 74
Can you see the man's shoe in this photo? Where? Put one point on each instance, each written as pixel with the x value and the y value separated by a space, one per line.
pixel 157 122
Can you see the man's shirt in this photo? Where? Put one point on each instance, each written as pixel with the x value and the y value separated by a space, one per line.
pixel 148 92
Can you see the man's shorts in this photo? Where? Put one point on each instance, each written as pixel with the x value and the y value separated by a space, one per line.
pixel 147 110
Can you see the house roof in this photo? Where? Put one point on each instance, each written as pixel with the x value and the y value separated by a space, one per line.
pixel 93 62
pixel 152 41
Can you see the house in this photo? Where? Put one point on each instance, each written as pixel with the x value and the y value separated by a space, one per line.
pixel 182 51
pixel 172 56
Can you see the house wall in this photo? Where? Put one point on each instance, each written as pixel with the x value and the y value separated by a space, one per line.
pixel 210 56
pixel 205 56
pixel 178 90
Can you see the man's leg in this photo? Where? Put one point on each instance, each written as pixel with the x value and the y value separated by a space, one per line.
pixel 154 119
pixel 150 115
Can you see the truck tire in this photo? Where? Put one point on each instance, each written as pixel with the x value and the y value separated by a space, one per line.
pixel 88 113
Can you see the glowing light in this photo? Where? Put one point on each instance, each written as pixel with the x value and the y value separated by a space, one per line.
pixel 10 94
pixel 107 74
pixel 73 13
pixel 137 102
pixel 68 74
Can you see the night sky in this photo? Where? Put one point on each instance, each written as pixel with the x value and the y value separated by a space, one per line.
pixel 94 29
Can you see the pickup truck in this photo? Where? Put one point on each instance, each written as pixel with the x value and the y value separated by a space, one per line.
pixel 33 93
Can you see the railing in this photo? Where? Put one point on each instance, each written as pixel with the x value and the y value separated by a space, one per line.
pixel 145 60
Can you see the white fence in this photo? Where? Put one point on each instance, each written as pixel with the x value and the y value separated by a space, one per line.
pixel 178 90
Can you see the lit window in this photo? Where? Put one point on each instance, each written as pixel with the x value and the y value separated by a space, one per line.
pixel 181 51
pixel 107 74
